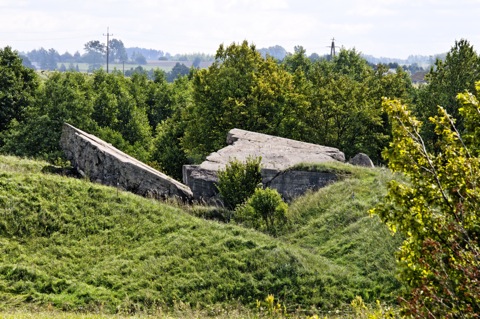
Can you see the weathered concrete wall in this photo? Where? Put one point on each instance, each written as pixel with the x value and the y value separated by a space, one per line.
pixel 103 163
pixel 202 183
pixel 293 183
pixel 278 155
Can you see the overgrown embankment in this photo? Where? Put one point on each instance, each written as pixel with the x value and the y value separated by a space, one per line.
pixel 334 223
pixel 81 246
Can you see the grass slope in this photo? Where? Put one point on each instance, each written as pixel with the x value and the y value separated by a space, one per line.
pixel 333 222
pixel 75 245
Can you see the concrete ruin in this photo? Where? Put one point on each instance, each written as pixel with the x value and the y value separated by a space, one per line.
pixel 101 162
pixel 278 154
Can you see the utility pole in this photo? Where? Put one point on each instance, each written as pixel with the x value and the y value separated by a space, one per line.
pixel 108 40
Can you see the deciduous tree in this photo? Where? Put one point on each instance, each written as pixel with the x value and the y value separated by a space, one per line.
pixel 18 86
pixel 344 108
pixel 437 210
pixel 240 89
pixel 167 110
pixel 64 97
pixel 117 51
pixel 95 51
pixel 457 73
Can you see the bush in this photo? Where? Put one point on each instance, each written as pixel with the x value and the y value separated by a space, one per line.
pixel 238 181
pixel 436 211
pixel 264 210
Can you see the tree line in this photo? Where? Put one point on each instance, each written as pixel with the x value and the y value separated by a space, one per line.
pixel 334 103
pixel 95 54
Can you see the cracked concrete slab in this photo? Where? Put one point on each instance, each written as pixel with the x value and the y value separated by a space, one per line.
pixel 278 154
pixel 101 162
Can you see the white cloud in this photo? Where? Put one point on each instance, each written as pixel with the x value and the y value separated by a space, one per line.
pixel 13 3
pixel 371 11
pixel 351 29
pixel 253 4
pixel 386 27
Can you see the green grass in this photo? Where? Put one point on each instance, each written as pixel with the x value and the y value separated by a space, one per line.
pixel 180 312
pixel 332 167
pixel 333 223
pixel 76 246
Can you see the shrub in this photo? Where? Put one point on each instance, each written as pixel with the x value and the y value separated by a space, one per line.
pixel 264 210
pixel 238 181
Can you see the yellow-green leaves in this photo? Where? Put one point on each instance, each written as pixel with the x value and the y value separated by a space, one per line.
pixel 437 211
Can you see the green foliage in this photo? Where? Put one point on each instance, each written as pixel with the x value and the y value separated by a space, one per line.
pixel 63 97
pixel 167 152
pixel 179 70
pixel 125 111
pixel 78 246
pixel 160 99
pixel 18 86
pixel 264 210
pixel 459 72
pixel 351 63
pixel 436 210
pixel 335 103
pixel 298 61
pixel 239 90
pixel 469 112
pixel 108 105
pixel 337 168
pixel 344 108
pixel 238 181
pixel 122 111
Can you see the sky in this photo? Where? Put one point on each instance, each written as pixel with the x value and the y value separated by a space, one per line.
pixel 382 28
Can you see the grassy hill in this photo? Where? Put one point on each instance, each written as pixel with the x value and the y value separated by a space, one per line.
pixel 74 245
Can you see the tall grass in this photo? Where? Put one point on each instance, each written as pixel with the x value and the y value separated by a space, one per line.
pixel 334 223
pixel 78 246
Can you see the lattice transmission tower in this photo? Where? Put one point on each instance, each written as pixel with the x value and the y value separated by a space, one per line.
pixel 332 49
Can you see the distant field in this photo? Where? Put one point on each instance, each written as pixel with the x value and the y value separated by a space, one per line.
pixel 166 66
